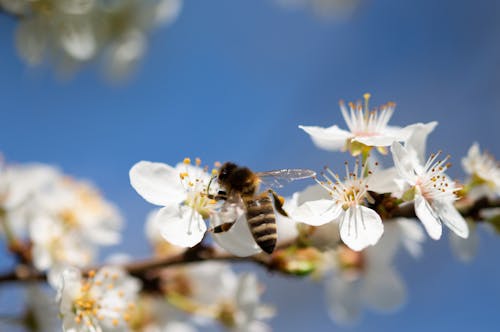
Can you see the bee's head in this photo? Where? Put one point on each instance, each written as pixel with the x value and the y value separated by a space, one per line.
pixel 225 171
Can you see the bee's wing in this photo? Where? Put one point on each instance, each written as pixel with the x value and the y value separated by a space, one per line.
pixel 277 178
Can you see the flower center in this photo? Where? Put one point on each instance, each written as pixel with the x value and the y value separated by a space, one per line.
pixel 433 182
pixel 363 122
pixel 350 192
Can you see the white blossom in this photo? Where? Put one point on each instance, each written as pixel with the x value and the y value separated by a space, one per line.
pixel 182 191
pixel 359 225
pixel 368 278
pixel 104 301
pixel 19 186
pixel 71 221
pixel 366 129
pixel 433 191
pixel 74 32
pixel 484 171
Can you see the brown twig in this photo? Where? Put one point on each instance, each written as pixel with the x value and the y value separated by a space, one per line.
pixel 144 269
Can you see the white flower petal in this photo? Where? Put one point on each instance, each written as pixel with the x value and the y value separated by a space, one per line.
pixel 465 249
pixel 311 193
pixel 418 138
pixel 157 183
pixel 360 227
pixel 78 40
pixel 404 161
pixel 316 213
pixel 343 299
pixel 238 240
pixel 181 225
pixel 332 138
pixel 452 218
pixel 428 217
pixel 383 289
pixel 412 236
pixel 31 40
pixel 383 181
pixel 378 140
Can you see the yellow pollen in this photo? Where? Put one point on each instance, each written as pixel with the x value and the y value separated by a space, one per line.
pixel 183 175
pixel 198 161
pixel 214 171
pixel 115 322
pixel 78 319
pixel 187 161
pixel 91 273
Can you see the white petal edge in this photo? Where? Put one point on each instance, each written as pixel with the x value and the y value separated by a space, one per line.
pixel 403 161
pixel 332 138
pixel 453 219
pixel 418 139
pixel 238 240
pixel 464 249
pixel 360 227
pixel 157 183
pixel 428 217
pixel 383 289
pixel 379 140
pixel 316 213
pixel 181 225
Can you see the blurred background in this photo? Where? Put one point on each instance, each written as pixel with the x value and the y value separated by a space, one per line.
pixel 232 80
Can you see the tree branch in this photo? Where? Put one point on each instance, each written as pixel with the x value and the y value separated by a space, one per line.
pixel 146 269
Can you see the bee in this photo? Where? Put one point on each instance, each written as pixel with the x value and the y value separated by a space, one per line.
pixel 240 188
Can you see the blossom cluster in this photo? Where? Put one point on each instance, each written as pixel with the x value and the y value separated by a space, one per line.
pixel 74 32
pixel 342 229
pixel 54 219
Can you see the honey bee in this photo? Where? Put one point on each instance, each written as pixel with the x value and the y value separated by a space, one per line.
pixel 240 188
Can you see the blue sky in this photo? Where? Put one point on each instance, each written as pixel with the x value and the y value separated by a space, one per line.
pixel 232 80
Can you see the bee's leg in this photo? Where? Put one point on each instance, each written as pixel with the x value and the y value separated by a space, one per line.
pixel 220 196
pixel 222 227
pixel 278 202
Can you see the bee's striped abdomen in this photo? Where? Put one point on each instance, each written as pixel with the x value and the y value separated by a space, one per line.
pixel 262 222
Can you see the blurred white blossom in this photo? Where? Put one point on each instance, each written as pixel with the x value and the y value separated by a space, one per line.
pixel 104 301
pixel 484 171
pixel 72 220
pixel 19 186
pixel 326 9
pixel 368 277
pixel 74 32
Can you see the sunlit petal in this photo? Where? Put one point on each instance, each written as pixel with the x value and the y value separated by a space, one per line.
pixel 181 225
pixel 157 183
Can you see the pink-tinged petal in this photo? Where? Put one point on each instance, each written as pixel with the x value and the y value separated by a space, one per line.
pixel 452 219
pixel 404 161
pixel 332 138
pixel 238 240
pixel 316 213
pixel 383 289
pixel 181 225
pixel 360 227
pixel 465 249
pixel 383 181
pixel 428 217
pixel 157 183
pixel 343 299
pixel 418 139
pixel 379 140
